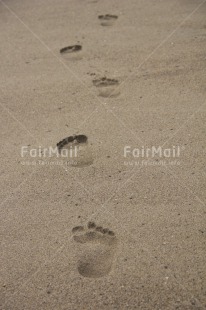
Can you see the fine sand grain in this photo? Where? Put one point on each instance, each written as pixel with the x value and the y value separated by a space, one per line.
pixel 109 225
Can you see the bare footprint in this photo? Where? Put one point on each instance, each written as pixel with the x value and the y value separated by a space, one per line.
pixel 73 52
pixel 107 87
pixel 76 150
pixel 107 20
pixel 98 248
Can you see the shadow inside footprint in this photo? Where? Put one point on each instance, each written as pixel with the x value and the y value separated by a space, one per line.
pixel 76 150
pixel 107 87
pixel 99 250
pixel 73 52
pixel 107 20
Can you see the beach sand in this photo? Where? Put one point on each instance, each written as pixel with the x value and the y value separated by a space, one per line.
pixel 109 231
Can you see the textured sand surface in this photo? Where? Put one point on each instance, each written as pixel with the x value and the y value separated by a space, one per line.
pixel 104 234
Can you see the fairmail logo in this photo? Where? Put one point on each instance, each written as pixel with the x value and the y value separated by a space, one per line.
pixel 144 152
pixel 40 152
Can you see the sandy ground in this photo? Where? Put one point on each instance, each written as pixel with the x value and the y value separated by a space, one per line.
pixel 152 256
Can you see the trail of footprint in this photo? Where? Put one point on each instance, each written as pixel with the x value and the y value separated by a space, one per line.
pixel 107 87
pixel 99 247
pixel 73 52
pixel 107 20
pixel 76 150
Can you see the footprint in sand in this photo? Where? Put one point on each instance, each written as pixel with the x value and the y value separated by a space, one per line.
pixel 107 20
pixel 107 87
pixel 73 52
pixel 97 252
pixel 76 151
